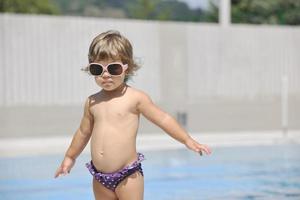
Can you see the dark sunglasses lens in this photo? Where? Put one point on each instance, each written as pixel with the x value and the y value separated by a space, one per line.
pixel 96 70
pixel 115 69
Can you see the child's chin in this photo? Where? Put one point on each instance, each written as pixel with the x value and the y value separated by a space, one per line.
pixel 109 88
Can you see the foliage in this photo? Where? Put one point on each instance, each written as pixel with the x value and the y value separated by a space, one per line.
pixel 141 9
pixel 136 9
pixel 266 12
pixel 212 14
pixel 163 10
pixel 28 6
pixel 242 11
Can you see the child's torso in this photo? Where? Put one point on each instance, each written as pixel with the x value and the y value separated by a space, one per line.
pixel 113 141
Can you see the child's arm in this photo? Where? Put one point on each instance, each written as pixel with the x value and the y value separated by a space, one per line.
pixel 168 124
pixel 79 141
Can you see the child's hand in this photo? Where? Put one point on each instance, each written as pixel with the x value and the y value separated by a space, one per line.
pixel 195 146
pixel 65 167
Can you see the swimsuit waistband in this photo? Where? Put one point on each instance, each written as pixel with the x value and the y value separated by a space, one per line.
pixel 140 158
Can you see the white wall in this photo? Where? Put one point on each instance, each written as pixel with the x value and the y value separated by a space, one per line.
pixel 41 57
pixel 243 61
pixel 225 78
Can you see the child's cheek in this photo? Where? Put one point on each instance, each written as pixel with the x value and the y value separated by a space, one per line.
pixel 98 81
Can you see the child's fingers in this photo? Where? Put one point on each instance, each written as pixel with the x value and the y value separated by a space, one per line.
pixel 206 149
pixel 195 148
pixel 200 153
pixel 58 172
pixel 199 148
pixel 61 171
pixel 203 148
pixel 66 170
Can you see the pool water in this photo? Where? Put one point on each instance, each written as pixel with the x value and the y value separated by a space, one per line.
pixel 245 173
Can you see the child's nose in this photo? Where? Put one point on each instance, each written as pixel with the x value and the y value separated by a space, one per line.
pixel 106 74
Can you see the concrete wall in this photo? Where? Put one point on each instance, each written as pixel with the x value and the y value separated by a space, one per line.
pixel 224 78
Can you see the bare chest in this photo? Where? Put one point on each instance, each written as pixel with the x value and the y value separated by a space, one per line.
pixel 114 110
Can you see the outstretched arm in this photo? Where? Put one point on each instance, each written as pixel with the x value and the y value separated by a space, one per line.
pixel 79 141
pixel 168 124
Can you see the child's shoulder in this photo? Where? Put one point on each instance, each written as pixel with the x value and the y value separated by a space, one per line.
pixel 93 96
pixel 139 94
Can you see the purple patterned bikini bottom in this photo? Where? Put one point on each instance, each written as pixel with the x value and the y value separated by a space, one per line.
pixel 111 180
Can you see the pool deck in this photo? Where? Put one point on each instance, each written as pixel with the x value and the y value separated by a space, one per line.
pixel 11 147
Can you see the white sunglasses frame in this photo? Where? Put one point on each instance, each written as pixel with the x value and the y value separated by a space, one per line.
pixel 87 68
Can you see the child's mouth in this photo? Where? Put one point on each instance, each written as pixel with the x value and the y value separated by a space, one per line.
pixel 107 82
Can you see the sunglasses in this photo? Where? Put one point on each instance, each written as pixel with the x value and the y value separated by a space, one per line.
pixel 114 69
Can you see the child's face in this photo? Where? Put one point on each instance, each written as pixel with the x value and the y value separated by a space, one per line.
pixel 106 80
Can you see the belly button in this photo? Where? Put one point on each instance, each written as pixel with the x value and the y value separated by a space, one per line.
pixel 101 153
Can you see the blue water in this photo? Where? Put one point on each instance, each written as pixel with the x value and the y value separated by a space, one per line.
pixel 230 173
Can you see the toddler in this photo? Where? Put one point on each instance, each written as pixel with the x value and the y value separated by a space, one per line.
pixel 111 120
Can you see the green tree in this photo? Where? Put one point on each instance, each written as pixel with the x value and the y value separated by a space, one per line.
pixel 28 6
pixel 266 12
pixel 172 10
pixel 164 10
pixel 176 11
pixel 142 9
pixel 212 15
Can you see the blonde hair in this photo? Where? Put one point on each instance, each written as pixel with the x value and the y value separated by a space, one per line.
pixel 112 45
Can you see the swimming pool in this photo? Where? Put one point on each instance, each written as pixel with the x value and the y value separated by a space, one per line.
pixel 252 172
